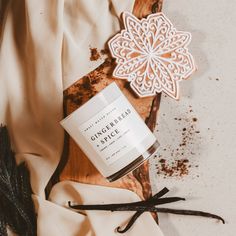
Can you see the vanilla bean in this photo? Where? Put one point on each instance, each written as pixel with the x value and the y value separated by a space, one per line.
pixel 190 213
pixel 162 192
pixel 139 213
pixel 171 211
pixel 130 223
pixel 148 205
pixel 139 208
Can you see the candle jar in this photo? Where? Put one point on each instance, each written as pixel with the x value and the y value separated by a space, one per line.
pixel 111 133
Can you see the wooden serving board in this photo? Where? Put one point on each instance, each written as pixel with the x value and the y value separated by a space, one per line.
pixel 77 166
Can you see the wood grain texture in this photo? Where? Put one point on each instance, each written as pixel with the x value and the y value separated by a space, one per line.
pixel 77 165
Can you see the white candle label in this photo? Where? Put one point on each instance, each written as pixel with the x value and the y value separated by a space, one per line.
pixel 115 130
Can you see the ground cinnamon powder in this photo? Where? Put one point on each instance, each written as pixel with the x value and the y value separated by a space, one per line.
pixel 177 161
pixel 94 54
pixel 175 168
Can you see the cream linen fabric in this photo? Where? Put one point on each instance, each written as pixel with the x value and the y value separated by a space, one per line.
pixel 44 48
pixel 95 223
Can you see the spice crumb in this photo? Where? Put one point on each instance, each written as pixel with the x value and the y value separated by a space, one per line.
pixel 177 160
pixel 176 168
pixel 94 54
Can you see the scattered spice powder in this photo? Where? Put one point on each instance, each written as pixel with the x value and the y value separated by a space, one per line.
pixel 176 160
pixel 176 168
pixel 94 54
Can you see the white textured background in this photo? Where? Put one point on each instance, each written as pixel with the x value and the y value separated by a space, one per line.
pixel 211 92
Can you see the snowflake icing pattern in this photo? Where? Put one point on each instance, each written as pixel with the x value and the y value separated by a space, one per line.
pixel 152 55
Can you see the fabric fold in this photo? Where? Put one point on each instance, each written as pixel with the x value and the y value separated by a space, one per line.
pixel 103 223
pixel 30 68
pixel 88 24
pixel 44 48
